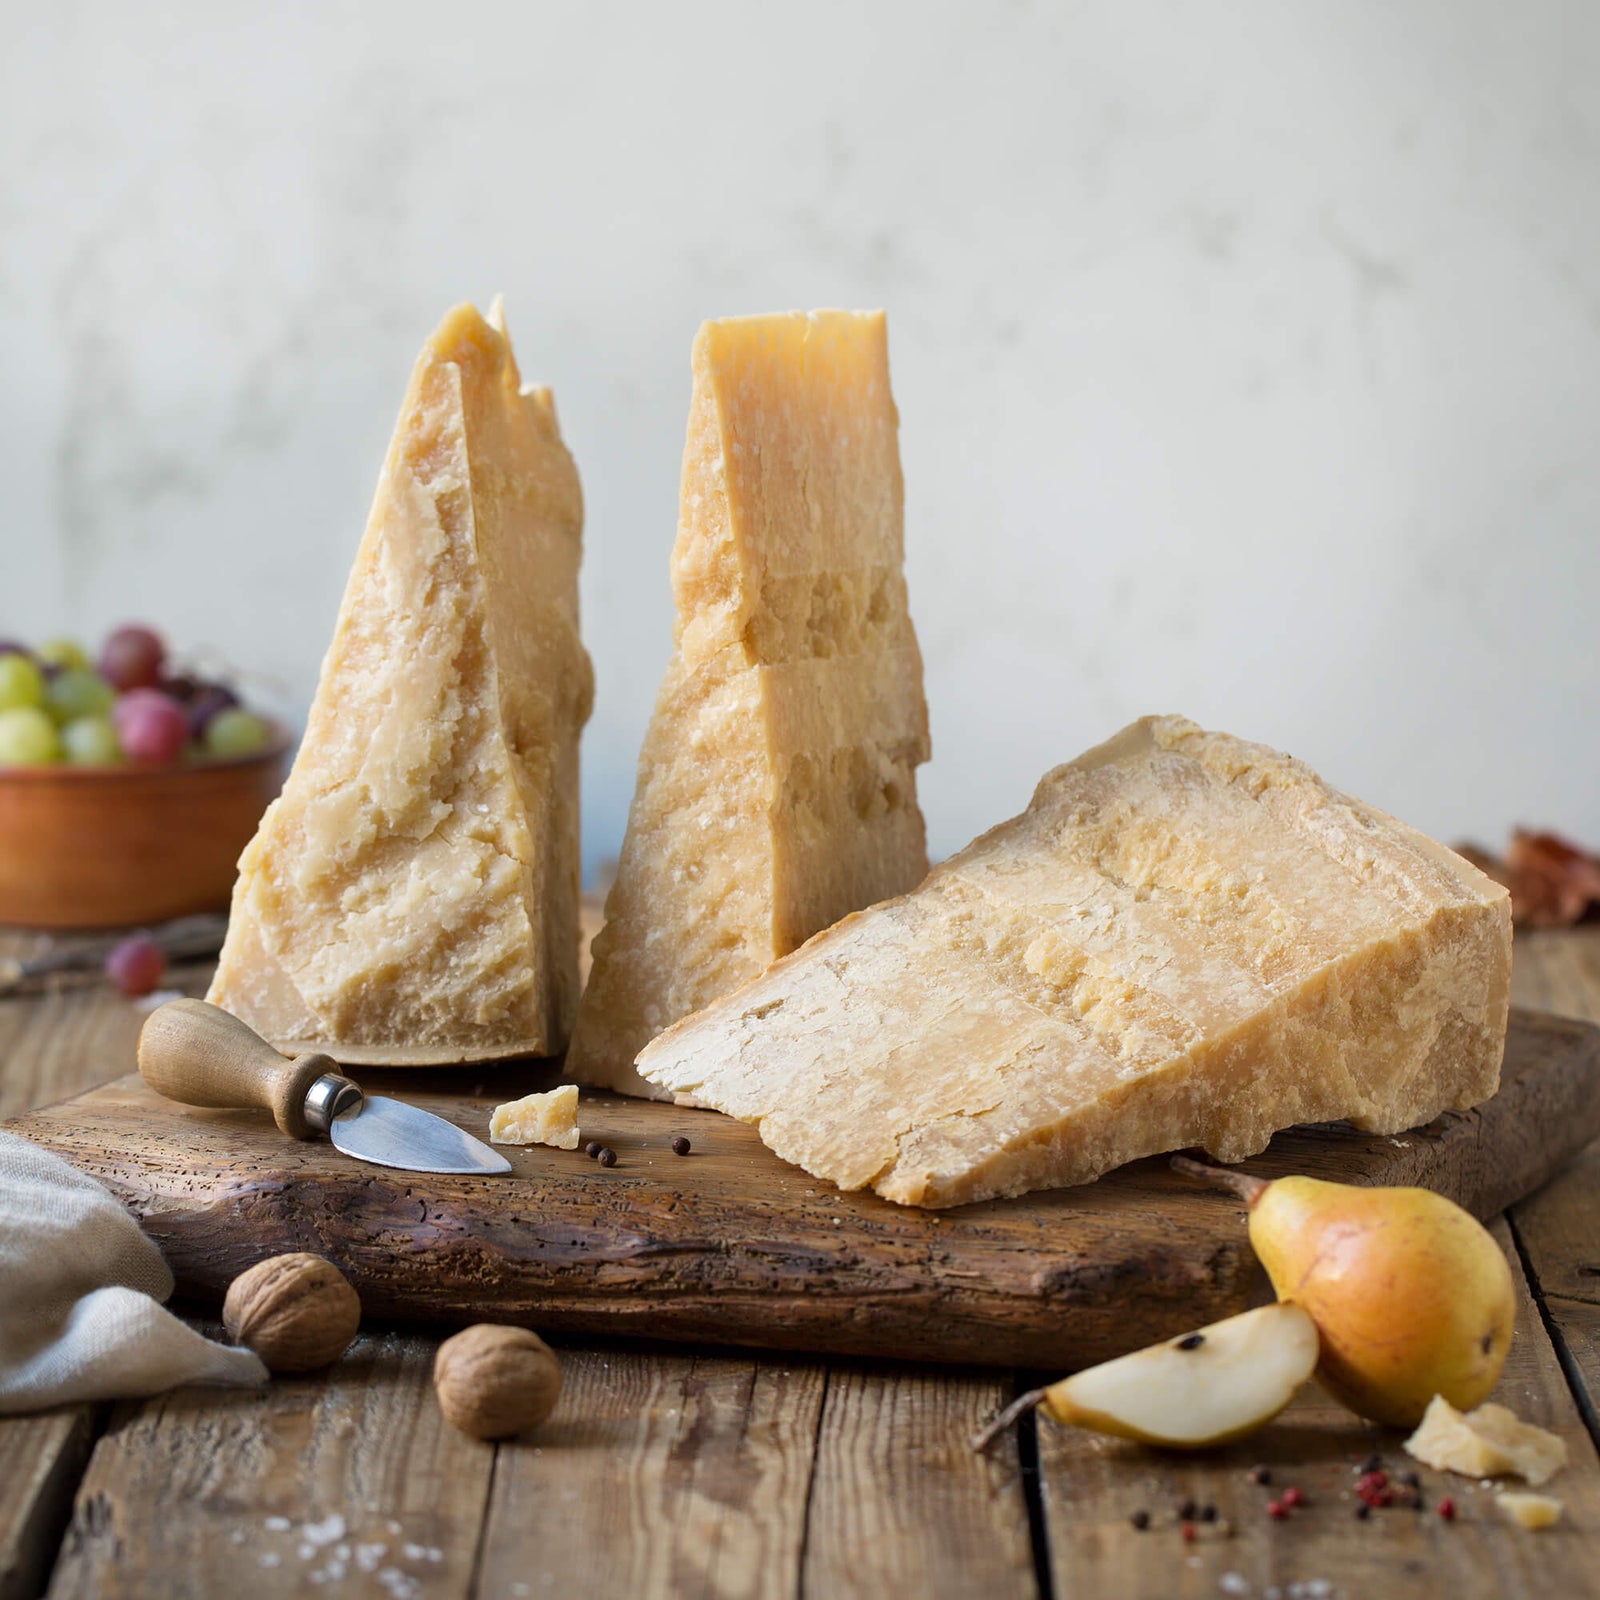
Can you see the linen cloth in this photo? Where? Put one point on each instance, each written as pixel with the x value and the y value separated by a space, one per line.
pixel 80 1293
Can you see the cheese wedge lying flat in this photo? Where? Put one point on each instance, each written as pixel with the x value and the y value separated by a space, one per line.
pixel 777 784
pixel 1184 940
pixel 412 896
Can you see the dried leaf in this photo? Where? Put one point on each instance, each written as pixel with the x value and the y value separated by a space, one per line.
pixel 1554 883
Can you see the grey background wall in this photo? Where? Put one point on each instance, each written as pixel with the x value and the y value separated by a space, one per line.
pixel 1248 353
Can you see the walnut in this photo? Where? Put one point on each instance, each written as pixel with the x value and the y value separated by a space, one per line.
pixel 493 1381
pixel 297 1312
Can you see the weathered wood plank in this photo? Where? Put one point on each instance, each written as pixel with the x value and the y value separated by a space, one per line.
pixel 67 1040
pixel 659 1474
pixel 351 1475
pixel 1558 1230
pixel 732 1245
pixel 1093 1486
pixel 1566 967
pixel 901 1505
pixel 1577 1325
pixel 41 1460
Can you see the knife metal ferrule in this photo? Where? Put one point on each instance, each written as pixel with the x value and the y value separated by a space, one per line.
pixel 329 1097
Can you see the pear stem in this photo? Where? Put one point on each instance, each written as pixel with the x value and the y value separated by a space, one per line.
pixel 1242 1184
pixel 986 1436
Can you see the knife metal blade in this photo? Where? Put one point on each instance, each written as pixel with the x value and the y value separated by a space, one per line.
pixel 390 1133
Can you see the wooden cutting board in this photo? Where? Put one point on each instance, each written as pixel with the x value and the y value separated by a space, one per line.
pixel 729 1245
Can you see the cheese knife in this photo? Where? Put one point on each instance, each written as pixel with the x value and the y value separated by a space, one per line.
pixel 200 1055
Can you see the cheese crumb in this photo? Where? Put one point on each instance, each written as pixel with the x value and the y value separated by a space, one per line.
pixel 1490 1442
pixel 539 1119
pixel 1530 1510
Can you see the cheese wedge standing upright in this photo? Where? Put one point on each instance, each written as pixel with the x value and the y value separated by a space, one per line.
pixel 412 896
pixel 777 783
pixel 1184 940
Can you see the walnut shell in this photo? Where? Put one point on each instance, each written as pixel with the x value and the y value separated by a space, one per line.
pixel 297 1312
pixel 494 1381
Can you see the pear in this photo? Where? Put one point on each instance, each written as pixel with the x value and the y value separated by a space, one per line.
pixel 1410 1293
pixel 1207 1387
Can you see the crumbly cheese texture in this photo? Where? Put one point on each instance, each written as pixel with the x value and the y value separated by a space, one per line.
pixel 412 896
pixel 550 1118
pixel 777 783
pixel 1490 1442
pixel 1184 940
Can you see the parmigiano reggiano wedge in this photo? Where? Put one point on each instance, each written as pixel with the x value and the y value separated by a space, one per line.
pixel 1184 940
pixel 412 896
pixel 777 784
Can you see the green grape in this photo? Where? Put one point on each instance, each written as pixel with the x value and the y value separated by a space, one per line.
pixel 91 742
pixel 21 682
pixel 76 692
pixel 65 653
pixel 27 738
pixel 235 733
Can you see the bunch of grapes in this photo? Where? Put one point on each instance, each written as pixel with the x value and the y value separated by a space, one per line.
pixel 57 706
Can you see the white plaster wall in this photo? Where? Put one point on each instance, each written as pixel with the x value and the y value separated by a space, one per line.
pixel 1247 352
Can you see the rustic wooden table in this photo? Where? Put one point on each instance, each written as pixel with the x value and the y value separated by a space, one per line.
pixel 669 1471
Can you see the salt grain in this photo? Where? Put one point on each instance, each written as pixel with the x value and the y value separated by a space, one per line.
pixel 1233 1583
pixel 324 1532
pixel 268 1558
pixel 277 1524
pixel 156 998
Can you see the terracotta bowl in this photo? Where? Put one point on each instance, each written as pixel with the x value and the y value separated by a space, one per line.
pixel 106 847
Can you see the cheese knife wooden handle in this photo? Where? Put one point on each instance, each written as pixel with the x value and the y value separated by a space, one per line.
pixel 200 1055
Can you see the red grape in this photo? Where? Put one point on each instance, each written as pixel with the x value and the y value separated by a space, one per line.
pixel 132 658
pixel 136 965
pixel 151 726
pixel 207 702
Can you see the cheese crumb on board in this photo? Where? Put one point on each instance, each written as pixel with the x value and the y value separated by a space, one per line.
pixel 1529 1510
pixel 1185 940
pixel 412 896
pixel 777 782
pixel 1490 1442
pixel 550 1118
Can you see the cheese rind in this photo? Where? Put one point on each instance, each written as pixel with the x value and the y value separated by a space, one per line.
pixel 550 1118
pixel 1185 940
pixel 412 896
pixel 777 782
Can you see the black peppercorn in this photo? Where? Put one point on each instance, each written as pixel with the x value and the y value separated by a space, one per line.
pixel 607 1156
pixel 1191 1341
pixel 680 1146
pixel 1208 1513
pixel 1140 1520
pixel 1186 1511
pixel 592 1149
pixel 1363 1511
pixel 1261 1474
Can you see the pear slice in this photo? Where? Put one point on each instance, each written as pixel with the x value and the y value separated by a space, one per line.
pixel 1204 1388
